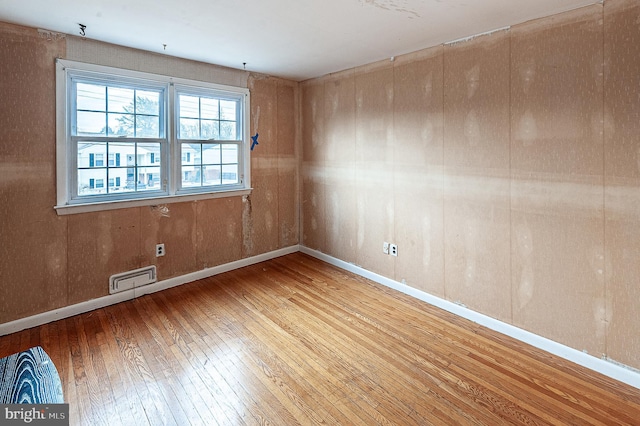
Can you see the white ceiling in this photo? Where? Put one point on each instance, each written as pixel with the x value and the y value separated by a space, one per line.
pixel 297 39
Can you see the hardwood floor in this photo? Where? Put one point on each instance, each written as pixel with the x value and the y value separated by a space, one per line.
pixel 296 341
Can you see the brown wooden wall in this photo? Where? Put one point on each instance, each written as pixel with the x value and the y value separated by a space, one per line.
pixel 50 261
pixel 506 168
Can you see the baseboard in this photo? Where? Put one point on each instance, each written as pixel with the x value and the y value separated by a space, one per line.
pixel 90 305
pixel 209 272
pixel 608 368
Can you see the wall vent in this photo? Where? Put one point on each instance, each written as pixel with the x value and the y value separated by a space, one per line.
pixel 130 279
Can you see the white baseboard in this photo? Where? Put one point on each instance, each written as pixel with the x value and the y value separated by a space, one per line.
pixel 90 305
pixel 606 367
pixel 209 272
pixel 611 369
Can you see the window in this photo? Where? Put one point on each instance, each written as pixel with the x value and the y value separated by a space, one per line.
pixel 208 132
pixel 162 137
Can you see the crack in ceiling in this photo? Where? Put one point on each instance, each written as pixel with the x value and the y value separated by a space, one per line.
pixel 391 5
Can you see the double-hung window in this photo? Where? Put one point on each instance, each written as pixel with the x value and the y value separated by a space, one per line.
pixel 127 138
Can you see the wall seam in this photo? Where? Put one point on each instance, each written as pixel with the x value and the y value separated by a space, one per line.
pixel 66 219
pixel 511 282
pixel 324 144
pixel 393 161
pixel 68 286
pixel 277 132
pixel 141 240
pixel 197 244
pixel 444 231
pixel 355 166
pixel 299 157
pixel 604 191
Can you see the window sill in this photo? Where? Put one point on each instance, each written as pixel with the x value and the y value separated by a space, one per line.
pixel 123 204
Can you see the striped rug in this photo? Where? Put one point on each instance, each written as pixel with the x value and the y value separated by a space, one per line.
pixel 29 377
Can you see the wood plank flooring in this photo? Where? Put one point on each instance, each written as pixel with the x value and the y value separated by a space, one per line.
pixel 296 341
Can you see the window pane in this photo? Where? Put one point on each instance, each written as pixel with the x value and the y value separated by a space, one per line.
pixel 147 126
pixel 87 179
pixel 230 174
pixel 120 100
pixel 190 176
pixel 229 154
pixel 228 110
pixel 210 154
pixel 209 108
pixel 190 153
pixel 122 152
pixel 209 129
pixel 147 153
pixel 211 175
pixel 121 125
pixel 148 179
pixel 147 102
pixel 130 182
pixel 91 154
pixel 227 131
pixel 91 97
pixel 119 178
pixel 189 106
pixel 189 128
pixel 91 123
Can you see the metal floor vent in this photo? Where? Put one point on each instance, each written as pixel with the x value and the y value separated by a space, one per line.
pixel 130 279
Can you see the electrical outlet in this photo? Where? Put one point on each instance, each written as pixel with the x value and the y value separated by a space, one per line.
pixel 393 249
pixel 385 247
pixel 160 250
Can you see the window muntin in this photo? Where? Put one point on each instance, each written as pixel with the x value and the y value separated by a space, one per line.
pixel 124 137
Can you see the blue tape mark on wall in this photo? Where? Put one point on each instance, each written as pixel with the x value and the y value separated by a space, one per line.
pixel 254 141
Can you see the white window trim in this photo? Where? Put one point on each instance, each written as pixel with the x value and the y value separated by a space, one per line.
pixel 63 148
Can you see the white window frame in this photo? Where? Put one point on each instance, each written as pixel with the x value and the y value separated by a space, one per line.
pixel 170 155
